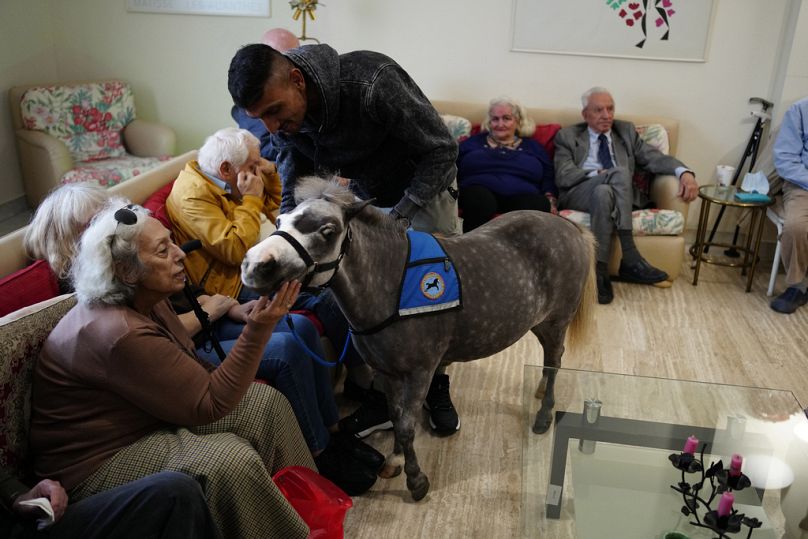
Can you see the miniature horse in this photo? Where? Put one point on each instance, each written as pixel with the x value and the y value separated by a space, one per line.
pixel 523 271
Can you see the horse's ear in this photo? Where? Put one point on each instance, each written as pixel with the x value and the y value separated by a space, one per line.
pixel 353 209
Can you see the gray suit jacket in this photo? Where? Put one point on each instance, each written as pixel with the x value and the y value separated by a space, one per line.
pixel 572 149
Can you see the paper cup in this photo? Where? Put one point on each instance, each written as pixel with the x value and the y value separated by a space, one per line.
pixel 723 175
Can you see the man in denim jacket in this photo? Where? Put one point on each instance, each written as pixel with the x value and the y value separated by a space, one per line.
pixel 357 115
pixel 361 117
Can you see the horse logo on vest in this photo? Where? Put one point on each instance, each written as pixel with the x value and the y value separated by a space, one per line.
pixel 432 285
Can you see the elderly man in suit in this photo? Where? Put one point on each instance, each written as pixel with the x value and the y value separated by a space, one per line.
pixel 595 162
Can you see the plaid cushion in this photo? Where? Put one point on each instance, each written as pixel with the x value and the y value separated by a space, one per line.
pixel 21 337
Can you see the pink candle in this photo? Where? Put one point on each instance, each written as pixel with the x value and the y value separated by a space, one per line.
pixel 691 444
pixel 725 504
pixel 735 465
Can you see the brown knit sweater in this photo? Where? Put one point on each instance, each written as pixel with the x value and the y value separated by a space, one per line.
pixel 108 375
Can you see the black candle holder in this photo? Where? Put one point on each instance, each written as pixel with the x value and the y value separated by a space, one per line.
pixel 719 480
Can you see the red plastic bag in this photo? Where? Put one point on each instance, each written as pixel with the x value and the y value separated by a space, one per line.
pixel 319 502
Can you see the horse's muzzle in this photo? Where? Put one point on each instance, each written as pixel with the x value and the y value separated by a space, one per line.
pixel 260 276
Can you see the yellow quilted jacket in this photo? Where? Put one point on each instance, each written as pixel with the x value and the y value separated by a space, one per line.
pixel 200 209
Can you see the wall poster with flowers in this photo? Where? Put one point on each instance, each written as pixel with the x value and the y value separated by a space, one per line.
pixel 650 29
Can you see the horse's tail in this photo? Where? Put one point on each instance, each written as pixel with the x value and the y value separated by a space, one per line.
pixel 585 313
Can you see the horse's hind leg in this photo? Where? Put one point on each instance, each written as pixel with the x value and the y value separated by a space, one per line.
pixel 551 336
pixel 405 395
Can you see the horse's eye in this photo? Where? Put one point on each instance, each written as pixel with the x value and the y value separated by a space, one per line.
pixel 327 230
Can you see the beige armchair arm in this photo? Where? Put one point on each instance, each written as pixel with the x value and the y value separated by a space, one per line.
pixel 663 194
pixel 147 139
pixel 43 159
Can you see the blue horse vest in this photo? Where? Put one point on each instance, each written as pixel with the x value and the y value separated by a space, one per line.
pixel 430 282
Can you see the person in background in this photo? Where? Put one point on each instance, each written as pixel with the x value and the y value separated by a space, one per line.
pixel 594 166
pixel 60 219
pixel 361 117
pixel 168 505
pixel 502 169
pixel 791 160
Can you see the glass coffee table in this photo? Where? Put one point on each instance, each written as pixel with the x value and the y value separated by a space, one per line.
pixel 608 474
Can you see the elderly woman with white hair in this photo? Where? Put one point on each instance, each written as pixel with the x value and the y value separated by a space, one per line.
pixel 119 393
pixel 502 169
pixel 60 219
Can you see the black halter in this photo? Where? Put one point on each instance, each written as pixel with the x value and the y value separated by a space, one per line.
pixel 313 267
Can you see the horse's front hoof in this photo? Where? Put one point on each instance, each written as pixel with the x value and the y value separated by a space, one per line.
pixel 418 487
pixel 542 423
pixel 388 471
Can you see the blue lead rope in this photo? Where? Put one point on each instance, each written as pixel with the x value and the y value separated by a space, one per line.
pixel 322 361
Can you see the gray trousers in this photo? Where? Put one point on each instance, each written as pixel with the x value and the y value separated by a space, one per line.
pixel 607 198
pixel 794 241
pixel 440 215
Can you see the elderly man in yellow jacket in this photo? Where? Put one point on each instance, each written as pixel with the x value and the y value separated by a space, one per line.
pixel 220 199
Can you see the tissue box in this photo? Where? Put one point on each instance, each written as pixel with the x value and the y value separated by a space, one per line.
pixel 751 197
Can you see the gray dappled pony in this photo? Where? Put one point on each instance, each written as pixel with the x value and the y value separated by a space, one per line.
pixel 525 270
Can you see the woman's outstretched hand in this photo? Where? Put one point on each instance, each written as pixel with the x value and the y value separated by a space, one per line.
pixel 266 311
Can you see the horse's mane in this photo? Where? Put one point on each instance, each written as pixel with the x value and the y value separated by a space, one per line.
pixel 329 188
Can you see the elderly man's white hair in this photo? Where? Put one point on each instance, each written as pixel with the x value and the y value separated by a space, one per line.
pixel 230 144
pixel 592 91
pixel 107 264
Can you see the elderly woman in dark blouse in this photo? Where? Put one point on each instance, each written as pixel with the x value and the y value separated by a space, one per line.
pixel 119 392
pixel 501 169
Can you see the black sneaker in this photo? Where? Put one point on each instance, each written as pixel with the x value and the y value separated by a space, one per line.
pixel 368 418
pixel 359 450
pixel 350 474
pixel 790 300
pixel 442 414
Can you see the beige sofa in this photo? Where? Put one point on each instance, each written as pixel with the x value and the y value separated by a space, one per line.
pixel 137 189
pixel 664 252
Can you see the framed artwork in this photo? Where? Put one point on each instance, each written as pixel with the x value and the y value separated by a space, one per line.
pixel 650 29
pixel 239 8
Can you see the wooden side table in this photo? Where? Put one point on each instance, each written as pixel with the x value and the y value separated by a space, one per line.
pixel 725 196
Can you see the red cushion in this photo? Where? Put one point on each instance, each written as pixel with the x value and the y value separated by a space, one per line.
pixel 156 204
pixel 27 286
pixel 544 135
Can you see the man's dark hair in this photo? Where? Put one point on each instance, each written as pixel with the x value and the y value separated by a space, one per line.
pixel 249 70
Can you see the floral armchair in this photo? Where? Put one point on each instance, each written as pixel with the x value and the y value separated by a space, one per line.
pixel 83 131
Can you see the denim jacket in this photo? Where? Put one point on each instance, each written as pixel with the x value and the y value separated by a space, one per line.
pixel 375 127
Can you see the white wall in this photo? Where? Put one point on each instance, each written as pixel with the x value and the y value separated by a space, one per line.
pixel 26 53
pixel 453 49
pixel 796 76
